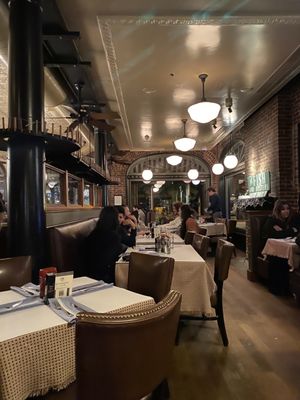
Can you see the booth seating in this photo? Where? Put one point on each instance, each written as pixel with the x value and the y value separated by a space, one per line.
pixel 66 245
pixel 258 264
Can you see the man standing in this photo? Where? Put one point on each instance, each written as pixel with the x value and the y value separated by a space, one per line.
pixel 214 203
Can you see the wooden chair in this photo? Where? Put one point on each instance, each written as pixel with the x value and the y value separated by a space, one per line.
pixel 15 271
pixel 201 244
pixel 230 226
pixel 150 275
pixel 124 356
pixel 202 231
pixel 222 263
pixel 188 239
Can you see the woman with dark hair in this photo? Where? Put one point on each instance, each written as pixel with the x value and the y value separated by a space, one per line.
pixel 279 225
pixel 104 246
pixel 188 221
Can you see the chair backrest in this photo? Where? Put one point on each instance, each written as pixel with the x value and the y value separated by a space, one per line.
pixel 222 260
pixel 201 244
pixel 66 245
pixel 202 231
pixel 15 271
pixel 150 275
pixel 125 356
pixel 188 239
pixel 231 225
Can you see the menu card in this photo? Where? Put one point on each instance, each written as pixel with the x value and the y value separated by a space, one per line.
pixel 63 284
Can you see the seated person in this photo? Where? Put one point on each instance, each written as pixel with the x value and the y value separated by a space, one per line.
pixel 188 221
pixel 127 227
pixel 103 247
pixel 280 224
pixel 174 225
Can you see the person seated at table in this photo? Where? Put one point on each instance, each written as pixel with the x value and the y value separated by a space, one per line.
pixel 188 221
pixel 103 246
pixel 280 224
pixel 174 224
pixel 127 227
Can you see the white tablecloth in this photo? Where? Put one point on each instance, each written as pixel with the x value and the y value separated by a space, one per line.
pixel 142 240
pixel 191 277
pixel 37 347
pixel 284 248
pixel 214 229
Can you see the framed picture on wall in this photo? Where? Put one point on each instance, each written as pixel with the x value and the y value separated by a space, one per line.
pixel 117 200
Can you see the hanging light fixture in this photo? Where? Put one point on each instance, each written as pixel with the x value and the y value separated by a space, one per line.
pixel 205 111
pixel 196 181
pixel 230 161
pixel 155 189
pixel 147 174
pixel 187 181
pixel 185 143
pixel 193 174
pixel 146 182
pixel 174 160
pixel 161 182
pixel 217 168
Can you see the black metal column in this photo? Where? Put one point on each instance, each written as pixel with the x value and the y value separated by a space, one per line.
pixel 101 159
pixel 26 153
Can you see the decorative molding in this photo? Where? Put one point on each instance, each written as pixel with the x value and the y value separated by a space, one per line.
pixel 200 19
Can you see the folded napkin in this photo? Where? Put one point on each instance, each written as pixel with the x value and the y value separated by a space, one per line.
pixel 91 287
pixel 21 304
pixel 67 308
pixel 27 290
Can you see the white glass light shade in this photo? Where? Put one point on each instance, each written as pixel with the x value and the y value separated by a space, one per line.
pixel 217 169
pixel 146 182
pixel 193 174
pixel 147 174
pixel 185 144
pixel 155 189
pixel 174 160
pixel 160 182
pixel 187 181
pixel 230 161
pixel 196 181
pixel 204 112
pixel 157 185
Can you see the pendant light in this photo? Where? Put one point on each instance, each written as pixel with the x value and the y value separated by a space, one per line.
pixel 147 174
pixel 230 161
pixel 174 160
pixel 196 181
pixel 185 143
pixel 217 168
pixel 146 182
pixel 205 111
pixel 193 174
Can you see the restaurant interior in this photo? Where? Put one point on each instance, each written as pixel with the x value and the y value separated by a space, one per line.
pixel 172 129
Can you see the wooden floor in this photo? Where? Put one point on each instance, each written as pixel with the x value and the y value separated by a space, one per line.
pixel 262 361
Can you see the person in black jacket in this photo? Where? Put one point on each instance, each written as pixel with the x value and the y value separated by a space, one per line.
pixel 280 225
pixel 214 204
pixel 103 246
pixel 127 228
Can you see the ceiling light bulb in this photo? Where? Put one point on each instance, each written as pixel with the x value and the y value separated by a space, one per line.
pixel 187 181
pixel 196 181
pixel 185 144
pixel 193 174
pixel 160 182
pixel 205 111
pixel 146 182
pixel 217 168
pixel 147 174
pixel 230 161
pixel 155 189
pixel 174 160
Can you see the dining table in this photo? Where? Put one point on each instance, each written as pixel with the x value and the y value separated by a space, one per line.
pixel 283 248
pixel 214 228
pixel 191 277
pixel 148 240
pixel 37 346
